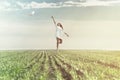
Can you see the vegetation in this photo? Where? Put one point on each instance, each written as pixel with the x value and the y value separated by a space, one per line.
pixel 65 65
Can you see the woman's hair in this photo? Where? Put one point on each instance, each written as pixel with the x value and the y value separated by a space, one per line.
pixel 60 25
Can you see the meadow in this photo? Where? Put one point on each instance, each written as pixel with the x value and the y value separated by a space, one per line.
pixel 65 65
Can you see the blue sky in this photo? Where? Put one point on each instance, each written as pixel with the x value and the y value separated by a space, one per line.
pixel 91 24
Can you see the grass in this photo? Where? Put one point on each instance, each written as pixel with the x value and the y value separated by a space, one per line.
pixel 66 65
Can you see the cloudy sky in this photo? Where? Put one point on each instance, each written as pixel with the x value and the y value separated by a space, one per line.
pixel 91 24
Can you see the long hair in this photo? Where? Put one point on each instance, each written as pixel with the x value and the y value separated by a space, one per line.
pixel 60 25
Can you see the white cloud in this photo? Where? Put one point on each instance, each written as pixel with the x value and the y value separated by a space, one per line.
pixel 70 2
pixel 93 3
pixel 23 5
pixel 100 3
pixel 43 5
pixel 4 5
pixel 34 4
pixel 7 6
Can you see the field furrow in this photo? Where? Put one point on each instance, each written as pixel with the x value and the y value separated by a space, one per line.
pixel 65 65
pixel 25 70
pixel 65 74
pixel 51 70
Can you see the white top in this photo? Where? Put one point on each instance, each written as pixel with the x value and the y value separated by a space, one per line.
pixel 59 32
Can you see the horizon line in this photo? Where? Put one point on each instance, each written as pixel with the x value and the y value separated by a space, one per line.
pixel 62 49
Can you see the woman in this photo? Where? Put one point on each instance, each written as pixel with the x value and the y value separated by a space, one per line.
pixel 59 33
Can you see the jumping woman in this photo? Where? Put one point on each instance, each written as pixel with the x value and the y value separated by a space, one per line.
pixel 59 33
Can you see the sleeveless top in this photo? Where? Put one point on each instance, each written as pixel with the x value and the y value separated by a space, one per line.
pixel 59 32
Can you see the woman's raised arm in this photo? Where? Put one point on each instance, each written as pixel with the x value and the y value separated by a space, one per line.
pixel 53 20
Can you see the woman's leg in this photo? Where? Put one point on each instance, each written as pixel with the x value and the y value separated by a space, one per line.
pixel 60 41
pixel 57 43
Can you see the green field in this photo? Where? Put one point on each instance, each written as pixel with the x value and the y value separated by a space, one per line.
pixel 66 65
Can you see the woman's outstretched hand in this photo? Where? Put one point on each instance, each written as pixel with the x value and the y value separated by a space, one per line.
pixel 52 17
pixel 66 34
